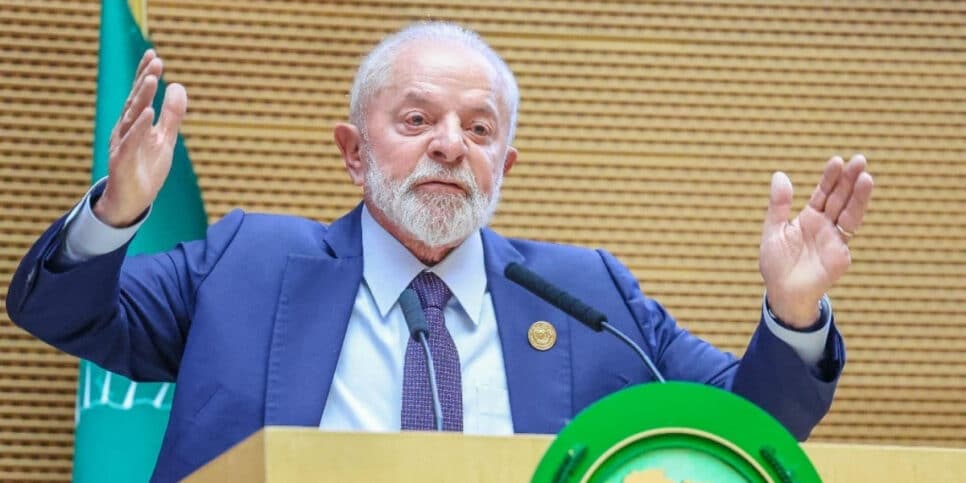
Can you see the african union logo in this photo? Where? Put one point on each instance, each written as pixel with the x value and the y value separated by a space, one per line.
pixel 675 432
pixel 100 388
pixel 676 466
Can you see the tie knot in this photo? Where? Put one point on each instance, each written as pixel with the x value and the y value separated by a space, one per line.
pixel 432 290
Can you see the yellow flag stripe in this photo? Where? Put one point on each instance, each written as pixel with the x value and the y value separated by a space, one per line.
pixel 139 10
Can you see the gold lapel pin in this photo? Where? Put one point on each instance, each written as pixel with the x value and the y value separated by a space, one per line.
pixel 542 335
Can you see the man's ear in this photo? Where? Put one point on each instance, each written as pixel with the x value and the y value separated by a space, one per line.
pixel 349 140
pixel 511 158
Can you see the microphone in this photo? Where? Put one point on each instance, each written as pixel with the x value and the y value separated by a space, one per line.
pixel 574 307
pixel 419 330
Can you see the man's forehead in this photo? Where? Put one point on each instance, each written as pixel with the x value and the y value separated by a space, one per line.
pixel 420 66
pixel 422 57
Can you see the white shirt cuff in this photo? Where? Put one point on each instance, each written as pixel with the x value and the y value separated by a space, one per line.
pixel 810 346
pixel 88 237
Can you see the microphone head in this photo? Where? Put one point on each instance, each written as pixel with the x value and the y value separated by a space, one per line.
pixel 514 270
pixel 540 287
pixel 524 277
pixel 413 313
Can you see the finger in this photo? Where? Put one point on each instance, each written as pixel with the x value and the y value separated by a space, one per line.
pixel 146 67
pixel 851 217
pixel 146 59
pixel 843 189
pixel 132 140
pixel 143 98
pixel 779 201
pixel 154 66
pixel 830 176
pixel 172 112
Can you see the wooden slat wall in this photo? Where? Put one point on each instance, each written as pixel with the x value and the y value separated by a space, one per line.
pixel 649 128
pixel 48 62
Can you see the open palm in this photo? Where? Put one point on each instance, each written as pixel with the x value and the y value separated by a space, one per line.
pixel 141 151
pixel 802 258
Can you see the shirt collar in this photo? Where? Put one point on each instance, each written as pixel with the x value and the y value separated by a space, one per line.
pixel 388 268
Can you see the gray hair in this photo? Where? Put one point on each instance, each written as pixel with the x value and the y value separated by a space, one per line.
pixel 376 68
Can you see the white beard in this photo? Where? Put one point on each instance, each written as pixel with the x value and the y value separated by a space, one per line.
pixel 436 219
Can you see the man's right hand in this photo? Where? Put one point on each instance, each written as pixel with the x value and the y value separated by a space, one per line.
pixel 140 151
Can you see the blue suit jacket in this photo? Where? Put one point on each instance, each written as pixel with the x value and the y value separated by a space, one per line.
pixel 251 320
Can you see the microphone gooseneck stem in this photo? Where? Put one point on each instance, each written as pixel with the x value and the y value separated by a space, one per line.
pixel 637 349
pixel 437 407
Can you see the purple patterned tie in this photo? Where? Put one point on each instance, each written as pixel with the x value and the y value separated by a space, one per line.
pixel 417 399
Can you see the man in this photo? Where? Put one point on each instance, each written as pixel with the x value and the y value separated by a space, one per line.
pixel 276 320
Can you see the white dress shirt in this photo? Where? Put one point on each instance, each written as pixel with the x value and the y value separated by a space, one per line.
pixel 366 391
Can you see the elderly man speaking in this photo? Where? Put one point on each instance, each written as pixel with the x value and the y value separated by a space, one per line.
pixel 275 320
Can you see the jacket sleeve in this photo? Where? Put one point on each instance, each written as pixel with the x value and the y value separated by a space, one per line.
pixel 770 374
pixel 128 315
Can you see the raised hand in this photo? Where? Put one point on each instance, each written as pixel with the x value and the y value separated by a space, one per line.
pixel 140 151
pixel 801 259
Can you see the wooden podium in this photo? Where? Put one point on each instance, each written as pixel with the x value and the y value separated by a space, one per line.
pixel 283 454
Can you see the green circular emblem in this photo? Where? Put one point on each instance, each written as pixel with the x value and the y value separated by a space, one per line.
pixel 674 432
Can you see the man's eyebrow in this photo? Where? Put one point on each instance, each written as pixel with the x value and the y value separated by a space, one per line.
pixel 484 109
pixel 415 97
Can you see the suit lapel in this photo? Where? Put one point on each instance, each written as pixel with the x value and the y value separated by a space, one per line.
pixel 314 306
pixel 315 303
pixel 539 382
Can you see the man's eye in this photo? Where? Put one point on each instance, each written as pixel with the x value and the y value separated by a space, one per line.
pixel 480 130
pixel 415 120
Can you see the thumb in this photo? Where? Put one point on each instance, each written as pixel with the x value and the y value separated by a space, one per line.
pixel 779 201
pixel 172 111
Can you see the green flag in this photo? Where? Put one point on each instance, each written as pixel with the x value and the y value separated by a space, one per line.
pixel 120 423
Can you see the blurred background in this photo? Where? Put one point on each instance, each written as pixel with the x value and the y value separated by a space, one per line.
pixel 649 128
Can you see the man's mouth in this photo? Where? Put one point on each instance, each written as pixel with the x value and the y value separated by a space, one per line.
pixel 442 186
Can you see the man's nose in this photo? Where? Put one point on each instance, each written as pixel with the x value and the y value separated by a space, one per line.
pixel 448 145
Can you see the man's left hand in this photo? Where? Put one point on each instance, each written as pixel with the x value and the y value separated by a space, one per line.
pixel 801 259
